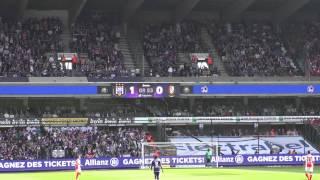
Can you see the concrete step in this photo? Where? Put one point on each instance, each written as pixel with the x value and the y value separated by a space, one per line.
pixel 124 47
pixel 135 46
pixel 66 39
pixel 183 58
pixel 123 43
pixel 207 39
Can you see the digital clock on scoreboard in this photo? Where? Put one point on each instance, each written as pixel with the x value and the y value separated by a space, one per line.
pixel 144 90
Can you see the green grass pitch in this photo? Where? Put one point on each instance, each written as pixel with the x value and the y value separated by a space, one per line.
pixel 278 173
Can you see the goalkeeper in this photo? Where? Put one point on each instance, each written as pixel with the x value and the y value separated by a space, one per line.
pixel 208 157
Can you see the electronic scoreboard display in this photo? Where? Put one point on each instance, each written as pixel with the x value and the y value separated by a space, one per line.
pixel 145 90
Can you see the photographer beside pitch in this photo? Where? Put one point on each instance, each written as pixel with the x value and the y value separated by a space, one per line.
pixel 156 166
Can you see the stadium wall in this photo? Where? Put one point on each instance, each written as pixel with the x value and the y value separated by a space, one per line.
pixel 62 14
pixel 166 16
pixel 153 16
pixel 304 16
pixel 257 16
pixel 169 161
pixel 203 16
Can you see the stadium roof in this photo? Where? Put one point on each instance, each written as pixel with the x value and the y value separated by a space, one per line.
pixel 228 9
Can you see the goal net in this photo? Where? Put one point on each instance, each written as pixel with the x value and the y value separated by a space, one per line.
pixel 171 152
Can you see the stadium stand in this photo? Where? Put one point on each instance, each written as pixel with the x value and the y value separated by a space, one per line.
pixel 68 110
pixel 235 131
pixel 169 108
pixel 98 36
pixel 252 49
pixel 304 42
pixel 163 42
pixel 176 100
pixel 66 142
pixel 35 143
pixel 23 45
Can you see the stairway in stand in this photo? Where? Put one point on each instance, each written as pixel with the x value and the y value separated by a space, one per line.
pixel 207 40
pixel 135 45
pixel 66 38
pixel 124 48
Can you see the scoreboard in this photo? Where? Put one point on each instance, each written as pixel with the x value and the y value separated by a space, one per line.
pixel 145 90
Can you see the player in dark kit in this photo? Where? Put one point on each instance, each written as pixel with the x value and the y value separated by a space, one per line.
pixel 156 166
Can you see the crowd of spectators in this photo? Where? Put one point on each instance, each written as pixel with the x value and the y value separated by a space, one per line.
pixel 112 111
pixel 234 131
pixel 313 48
pixel 98 35
pixel 304 40
pixel 39 143
pixel 207 108
pixel 236 107
pixel 33 143
pixel 23 45
pixel 252 49
pixel 28 47
pixel 163 42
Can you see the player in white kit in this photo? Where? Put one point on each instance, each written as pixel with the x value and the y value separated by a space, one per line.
pixel 78 167
pixel 309 164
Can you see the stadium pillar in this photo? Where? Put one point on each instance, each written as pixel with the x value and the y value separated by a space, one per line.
pixel 298 102
pixel 23 4
pixel 25 102
pixel 125 28
pixel 245 101
pixel 131 8
pixel 191 103
pixel 236 9
pixel 75 10
pixel 288 9
pixel 258 134
pixel 82 104
pixel 184 8
pixel 161 131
